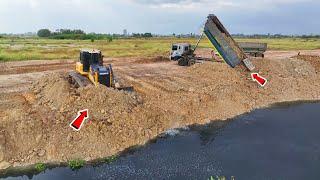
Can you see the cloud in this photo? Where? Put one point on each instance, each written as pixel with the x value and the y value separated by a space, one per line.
pixel 218 4
pixel 179 5
pixel 160 16
pixel 165 1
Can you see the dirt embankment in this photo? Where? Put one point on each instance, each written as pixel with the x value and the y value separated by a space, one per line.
pixel 35 126
pixel 313 60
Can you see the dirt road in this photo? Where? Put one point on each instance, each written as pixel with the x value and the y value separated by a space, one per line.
pixel 37 103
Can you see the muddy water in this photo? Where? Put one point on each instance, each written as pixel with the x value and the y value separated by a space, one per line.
pixel 282 142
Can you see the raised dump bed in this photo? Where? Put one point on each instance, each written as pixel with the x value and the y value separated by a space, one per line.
pixel 224 43
pixel 253 48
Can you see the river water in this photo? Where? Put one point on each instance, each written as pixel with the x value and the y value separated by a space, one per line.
pixel 281 142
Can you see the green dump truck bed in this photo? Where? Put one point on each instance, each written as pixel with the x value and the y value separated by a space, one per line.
pixel 227 47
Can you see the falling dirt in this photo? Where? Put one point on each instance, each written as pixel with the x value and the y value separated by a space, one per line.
pixel 34 121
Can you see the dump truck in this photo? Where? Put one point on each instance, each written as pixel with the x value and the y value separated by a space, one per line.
pixel 90 70
pixel 184 54
pixel 220 38
pixel 253 48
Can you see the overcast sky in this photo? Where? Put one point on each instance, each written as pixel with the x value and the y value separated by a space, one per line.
pixel 161 16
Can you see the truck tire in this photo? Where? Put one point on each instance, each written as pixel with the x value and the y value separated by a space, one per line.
pixel 183 61
pixel 191 62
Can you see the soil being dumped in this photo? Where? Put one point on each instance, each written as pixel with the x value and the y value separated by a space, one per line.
pixel 34 125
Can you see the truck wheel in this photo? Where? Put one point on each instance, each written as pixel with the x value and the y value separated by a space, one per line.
pixel 182 62
pixel 191 62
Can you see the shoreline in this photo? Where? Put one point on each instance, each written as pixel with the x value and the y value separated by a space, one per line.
pixel 30 170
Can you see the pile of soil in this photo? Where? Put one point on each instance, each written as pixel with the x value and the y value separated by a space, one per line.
pixel 313 60
pixel 36 128
pixel 40 131
pixel 105 104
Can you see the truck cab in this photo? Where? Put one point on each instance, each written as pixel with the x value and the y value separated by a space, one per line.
pixel 180 49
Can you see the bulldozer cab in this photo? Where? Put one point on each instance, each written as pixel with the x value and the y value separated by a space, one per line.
pixel 90 57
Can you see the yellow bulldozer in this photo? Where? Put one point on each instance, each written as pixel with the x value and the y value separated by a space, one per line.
pixel 90 70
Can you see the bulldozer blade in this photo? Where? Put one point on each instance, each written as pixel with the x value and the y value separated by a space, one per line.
pixel 78 80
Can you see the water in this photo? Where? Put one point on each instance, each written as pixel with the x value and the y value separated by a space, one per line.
pixel 275 143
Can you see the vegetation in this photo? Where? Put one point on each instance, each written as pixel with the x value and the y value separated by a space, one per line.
pixel 110 159
pixel 220 178
pixel 40 167
pixel 76 164
pixel 274 36
pixel 44 33
pixel 18 48
pixel 72 34
pixel 145 35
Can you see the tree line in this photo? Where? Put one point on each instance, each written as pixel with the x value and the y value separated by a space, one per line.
pixel 80 34
pixel 72 34
pixel 143 35
pixel 276 36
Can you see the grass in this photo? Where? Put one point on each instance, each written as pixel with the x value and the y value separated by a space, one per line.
pixel 220 178
pixel 76 164
pixel 110 159
pixel 12 49
pixel 288 43
pixel 40 167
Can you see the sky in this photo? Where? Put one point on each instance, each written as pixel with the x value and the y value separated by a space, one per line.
pixel 294 17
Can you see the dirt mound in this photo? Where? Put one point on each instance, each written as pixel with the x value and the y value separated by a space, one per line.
pixel 52 89
pixel 214 77
pixel 214 71
pixel 103 103
pixel 36 123
pixel 153 60
pixel 313 60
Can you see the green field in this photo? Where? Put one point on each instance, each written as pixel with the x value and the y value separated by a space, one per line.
pixel 35 48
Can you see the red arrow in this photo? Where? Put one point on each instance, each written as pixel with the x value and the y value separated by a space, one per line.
pixel 77 123
pixel 259 79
